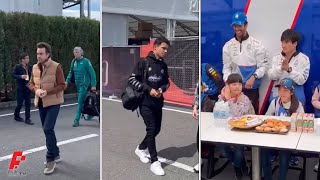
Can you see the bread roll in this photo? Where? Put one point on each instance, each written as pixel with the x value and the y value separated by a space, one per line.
pixel 267 129
pixel 259 128
pixel 283 130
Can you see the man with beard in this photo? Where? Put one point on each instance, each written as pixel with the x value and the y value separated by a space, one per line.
pixel 47 81
pixel 246 56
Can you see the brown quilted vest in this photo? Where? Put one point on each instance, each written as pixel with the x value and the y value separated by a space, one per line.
pixel 47 81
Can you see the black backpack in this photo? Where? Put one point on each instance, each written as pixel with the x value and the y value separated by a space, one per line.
pixel 91 105
pixel 131 98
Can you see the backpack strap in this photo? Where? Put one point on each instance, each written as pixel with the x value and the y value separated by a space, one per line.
pixel 146 67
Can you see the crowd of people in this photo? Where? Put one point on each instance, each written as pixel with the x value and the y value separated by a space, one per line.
pixel 46 80
pixel 245 62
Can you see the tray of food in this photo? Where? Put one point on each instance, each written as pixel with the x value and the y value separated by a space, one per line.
pixel 274 126
pixel 245 122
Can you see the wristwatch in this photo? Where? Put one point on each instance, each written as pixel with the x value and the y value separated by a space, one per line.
pixel 289 70
pixel 255 75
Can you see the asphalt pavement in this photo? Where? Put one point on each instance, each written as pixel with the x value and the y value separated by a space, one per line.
pixel 122 131
pixel 80 148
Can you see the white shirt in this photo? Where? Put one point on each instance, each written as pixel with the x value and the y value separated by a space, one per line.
pixel 300 65
pixel 249 52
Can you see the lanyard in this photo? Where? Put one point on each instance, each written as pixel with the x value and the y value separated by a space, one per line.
pixel 25 68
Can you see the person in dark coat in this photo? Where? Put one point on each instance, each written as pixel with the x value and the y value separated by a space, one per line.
pixel 21 73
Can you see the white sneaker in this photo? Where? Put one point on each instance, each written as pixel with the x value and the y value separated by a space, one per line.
pixel 49 168
pixel 316 168
pixel 159 158
pixel 142 155
pixel 156 168
pixel 56 159
pixel 196 168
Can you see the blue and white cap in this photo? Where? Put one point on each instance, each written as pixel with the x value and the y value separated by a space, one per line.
pixel 287 83
pixel 239 18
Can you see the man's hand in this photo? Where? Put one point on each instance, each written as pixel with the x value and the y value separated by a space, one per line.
pixel 24 76
pixel 39 92
pixel 250 82
pixel 43 93
pixel 202 88
pixel 93 89
pixel 195 112
pixel 159 91
pixel 153 93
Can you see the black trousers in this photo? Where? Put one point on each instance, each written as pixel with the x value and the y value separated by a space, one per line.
pixel 152 119
pixel 253 95
pixel 23 95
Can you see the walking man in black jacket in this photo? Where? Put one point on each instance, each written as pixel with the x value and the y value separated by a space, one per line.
pixel 21 73
pixel 155 84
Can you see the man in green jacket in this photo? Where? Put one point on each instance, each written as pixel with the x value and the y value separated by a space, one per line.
pixel 84 76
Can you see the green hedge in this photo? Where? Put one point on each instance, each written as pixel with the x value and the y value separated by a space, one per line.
pixel 25 30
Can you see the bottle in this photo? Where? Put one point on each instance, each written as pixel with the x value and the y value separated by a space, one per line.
pixel 317 123
pixel 293 121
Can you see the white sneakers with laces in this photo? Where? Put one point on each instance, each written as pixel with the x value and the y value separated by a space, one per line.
pixel 157 169
pixel 142 155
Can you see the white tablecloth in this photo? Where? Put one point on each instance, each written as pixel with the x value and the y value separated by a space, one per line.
pixel 211 133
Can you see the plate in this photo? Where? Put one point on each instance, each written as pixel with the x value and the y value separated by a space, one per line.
pixel 245 122
pixel 274 123
pixel 272 132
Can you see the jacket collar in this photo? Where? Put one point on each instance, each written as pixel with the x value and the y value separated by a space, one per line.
pixel 78 59
pixel 46 64
pixel 294 54
pixel 243 38
pixel 24 66
pixel 152 56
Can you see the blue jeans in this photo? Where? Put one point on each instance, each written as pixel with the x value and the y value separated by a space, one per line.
pixel 284 157
pixel 48 116
pixel 235 154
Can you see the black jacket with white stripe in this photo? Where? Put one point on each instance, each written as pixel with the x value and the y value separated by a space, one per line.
pixel 157 77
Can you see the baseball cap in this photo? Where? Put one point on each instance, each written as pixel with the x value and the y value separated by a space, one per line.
pixel 239 18
pixel 287 83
